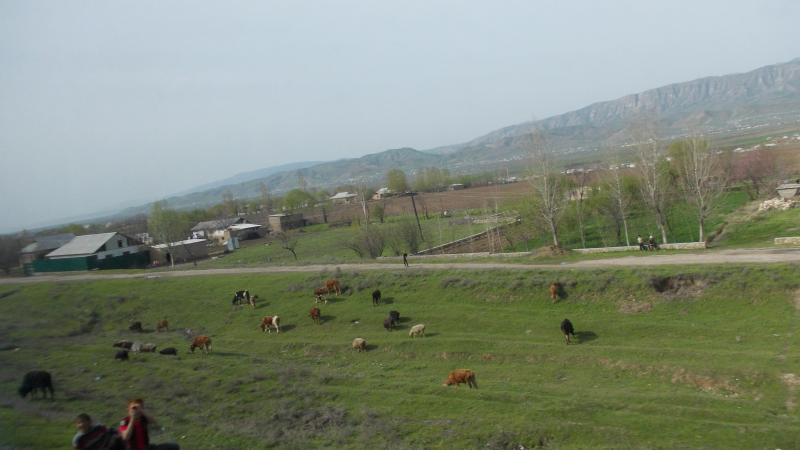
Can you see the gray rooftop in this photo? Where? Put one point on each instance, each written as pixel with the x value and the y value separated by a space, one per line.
pixel 82 245
pixel 218 224
pixel 48 243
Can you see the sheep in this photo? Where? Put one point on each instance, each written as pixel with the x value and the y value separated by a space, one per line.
pixel 360 344
pixel 417 330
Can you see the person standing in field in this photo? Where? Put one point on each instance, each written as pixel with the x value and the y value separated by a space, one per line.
pixel 405 259
pixel 134 429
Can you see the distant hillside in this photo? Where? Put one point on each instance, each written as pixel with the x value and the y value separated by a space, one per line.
pixel 248 176
pixel 766 95
pixel 722 104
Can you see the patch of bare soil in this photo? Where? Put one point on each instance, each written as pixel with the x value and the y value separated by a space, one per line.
pixel 678 375
pixel 792 382
pixel 679 286
pixel 634 306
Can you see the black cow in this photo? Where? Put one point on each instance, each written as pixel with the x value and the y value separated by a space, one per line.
pixel 123 344
pixel 567 329
pixel 121 355
pixel 37 379
pixel 388 324
pixel 243 298
pixel 136 326
pixel 169 351
pixel 376 297
pixel 394 316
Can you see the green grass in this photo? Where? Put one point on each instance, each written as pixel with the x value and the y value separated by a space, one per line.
pixel 761 229
pixel 699 369
pixel 320 244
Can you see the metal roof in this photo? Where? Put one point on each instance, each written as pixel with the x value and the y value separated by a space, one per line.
pixel 83 245
pixel 184 242
pixel 340 195
pixel 218 224
pixel 48 243
pixel 244 226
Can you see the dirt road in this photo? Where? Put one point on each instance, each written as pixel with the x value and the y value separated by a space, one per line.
pixel 748 256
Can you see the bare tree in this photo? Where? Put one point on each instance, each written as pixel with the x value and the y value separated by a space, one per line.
pixel 651 168
pixel 288 242
pixel 581 182
pixel 547 185
pixel 701 180
pixel 620 197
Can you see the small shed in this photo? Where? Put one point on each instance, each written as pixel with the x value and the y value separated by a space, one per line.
pixel 789 190
pixel 382 193
pixel 455 187
pixel 285 222
pixel 188 250
pixel 244 231
pixel 95 251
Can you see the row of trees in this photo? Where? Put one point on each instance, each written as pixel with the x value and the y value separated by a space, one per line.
pixel 687 173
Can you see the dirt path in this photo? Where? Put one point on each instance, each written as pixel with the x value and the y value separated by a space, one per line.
pixel 748 256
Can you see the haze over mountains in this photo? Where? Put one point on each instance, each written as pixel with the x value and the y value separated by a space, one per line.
pixel 769 95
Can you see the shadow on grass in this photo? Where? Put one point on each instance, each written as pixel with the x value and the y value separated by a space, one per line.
pixel 386 301
pixel 326 318
pixel 287 328
pixel 585 336
pixel 371 347
pixel 224 354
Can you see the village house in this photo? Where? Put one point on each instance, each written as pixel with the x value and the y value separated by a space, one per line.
pixel 215 229
pixel 188 250
pixel 95 251
pixel 382 193
pixel 244 231
pixel 343 198
pixel 42 246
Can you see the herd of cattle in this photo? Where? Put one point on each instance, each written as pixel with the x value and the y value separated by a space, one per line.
pixel 42 380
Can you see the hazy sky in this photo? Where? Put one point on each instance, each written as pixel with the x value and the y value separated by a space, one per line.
pixel 107 102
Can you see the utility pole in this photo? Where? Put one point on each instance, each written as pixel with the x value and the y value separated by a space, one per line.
pixel 414 204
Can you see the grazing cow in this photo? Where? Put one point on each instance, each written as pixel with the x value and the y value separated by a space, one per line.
pixel 461 376
pixel 203 342
pixel 314 314
pixel 567 329
pixel 376 297
pixel 144 348
pixel 320 295
pixel 555 290
pixel 388 323
pixel 136 326
pixel 243 298
pixel 123 344
pixel 395 316
pixel 360 344
pixel 170 351
pixel 162 325
pixel 270 322
pixel 333 286
pixel 417 330
pixel 37 379
pixel 121 355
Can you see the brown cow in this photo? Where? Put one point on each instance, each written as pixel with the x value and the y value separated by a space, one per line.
pixel 555 290
pixel 270 322
pixel 162 325
pixel 203 342
pixel 314 313
pixel 333 285
pixel 320 295
pixel 460 376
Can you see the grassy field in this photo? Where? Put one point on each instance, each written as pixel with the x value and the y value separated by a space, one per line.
pixel 706 365
pixel 321 244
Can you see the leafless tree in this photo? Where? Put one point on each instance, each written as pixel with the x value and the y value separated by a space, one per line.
pixel 369 241
pixel 547 185
pixel 288 242
pixel 653 186
pixel 620 198
pixel 701 180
